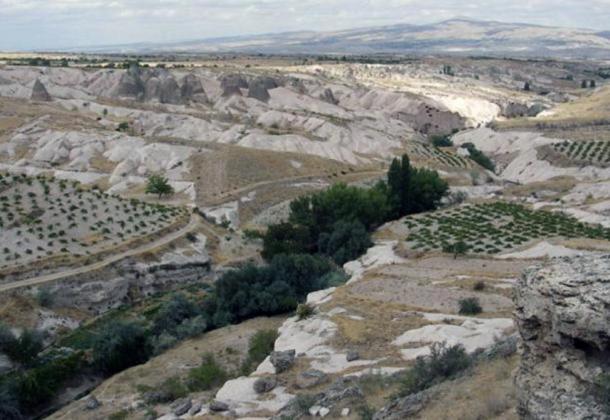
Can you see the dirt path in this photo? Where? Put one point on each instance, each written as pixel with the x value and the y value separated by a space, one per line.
pixel 221 198
pixel 194 223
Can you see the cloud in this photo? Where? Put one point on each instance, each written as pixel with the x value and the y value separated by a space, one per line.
pixel 48 24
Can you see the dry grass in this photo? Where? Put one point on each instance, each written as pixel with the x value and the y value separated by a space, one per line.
pixel 229 346
pixel 487 393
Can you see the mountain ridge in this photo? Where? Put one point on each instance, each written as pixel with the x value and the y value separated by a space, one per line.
pixel 457 36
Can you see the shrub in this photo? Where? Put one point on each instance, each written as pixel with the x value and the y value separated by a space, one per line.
pixel 304 311
pixel 22 349
pixel 479 286
pixel 192 327
pixel 163 342
pixel 44 298
pixel 442 363
pixel 170 390
pixel 123 126
pixel 479 157
pixel 42 383
pixel 260 346
pixel 470 306
pixel 458 248
pixel 208 375
pixel 441 141
pixel 277 288
pixel 173 313
pixel 119 346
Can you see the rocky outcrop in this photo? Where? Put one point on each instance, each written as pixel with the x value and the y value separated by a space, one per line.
pixel 159 85
pixel 170 91
pixel 40 93
pixel 329 96
pixel 282 360
pixel 126 282
pixel 264 385
pixel 232 84
pixel 430 120
pixel 130 85
pixel 515 110
pixel 564 322
pixel 152 89
pixel 259 91
pixel 192 89
pixel 342 392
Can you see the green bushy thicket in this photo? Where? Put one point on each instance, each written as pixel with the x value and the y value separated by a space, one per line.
pixel 479 157
pixel 335 222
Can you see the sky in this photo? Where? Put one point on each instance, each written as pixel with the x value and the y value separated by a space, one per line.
pixel 55 24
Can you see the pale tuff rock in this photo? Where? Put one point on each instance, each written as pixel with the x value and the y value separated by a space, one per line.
pixel 564 322
pixel 39 92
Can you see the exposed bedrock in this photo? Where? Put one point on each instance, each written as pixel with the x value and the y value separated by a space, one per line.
pixel 40 93
pixel 563 315
pixel 126 282
pixel 515 110
pixel 430 120
pixel 232 85
pixel 192 89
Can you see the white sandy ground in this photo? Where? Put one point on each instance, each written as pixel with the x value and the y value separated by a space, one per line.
pixel 472 333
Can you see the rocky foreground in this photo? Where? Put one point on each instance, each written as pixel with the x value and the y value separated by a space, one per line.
pixel 563 318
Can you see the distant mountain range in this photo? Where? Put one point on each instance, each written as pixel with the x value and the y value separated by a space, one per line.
pixel 455 36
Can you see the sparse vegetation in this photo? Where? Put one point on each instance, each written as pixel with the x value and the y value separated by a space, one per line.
pixel 304 311
pixel 260 346
pixel 207 375
pixel 443 363
pixel 470 306
pixel 479 157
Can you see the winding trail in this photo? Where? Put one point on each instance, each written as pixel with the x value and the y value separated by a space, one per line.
pixel 34 281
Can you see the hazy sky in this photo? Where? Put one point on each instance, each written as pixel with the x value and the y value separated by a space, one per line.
pixel 48 24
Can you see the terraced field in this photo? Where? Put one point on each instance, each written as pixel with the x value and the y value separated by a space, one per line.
pixel 45 217
pixel 439 156
pixel 592 152
pixel 491 228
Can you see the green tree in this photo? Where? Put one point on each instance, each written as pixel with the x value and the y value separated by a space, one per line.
pixel 286 238
pixel 119 346
pixel 159 185
pixel 458 248
pixel 22 349
pixel 399 185
pixel 347 241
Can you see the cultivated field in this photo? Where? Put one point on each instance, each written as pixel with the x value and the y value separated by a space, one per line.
pixel 44 218
pixel 491 228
